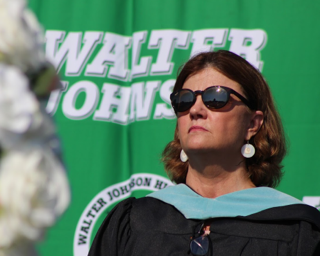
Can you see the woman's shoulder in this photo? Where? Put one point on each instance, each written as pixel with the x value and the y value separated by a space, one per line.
pixel 146 205
pixel 149 212
pixel 294 212
pixel 116 229
pixel 143 210
pixel 134 217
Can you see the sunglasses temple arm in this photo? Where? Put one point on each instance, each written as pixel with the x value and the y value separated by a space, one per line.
pixel 243 99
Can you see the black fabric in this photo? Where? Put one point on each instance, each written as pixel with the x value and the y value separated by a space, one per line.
pixel 147 226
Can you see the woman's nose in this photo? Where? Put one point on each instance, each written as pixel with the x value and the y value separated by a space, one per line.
pixel 198 110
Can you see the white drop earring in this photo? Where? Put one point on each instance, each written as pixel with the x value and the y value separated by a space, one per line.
pixel 183 156
pixel 248 150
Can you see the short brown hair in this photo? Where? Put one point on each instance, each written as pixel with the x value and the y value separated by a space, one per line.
pixel 264 167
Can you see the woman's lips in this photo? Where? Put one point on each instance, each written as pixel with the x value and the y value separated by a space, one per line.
pixel 196 128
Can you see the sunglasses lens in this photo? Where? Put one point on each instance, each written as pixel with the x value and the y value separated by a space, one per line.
pixel 183 100
pixel 199 246
pixel 215 97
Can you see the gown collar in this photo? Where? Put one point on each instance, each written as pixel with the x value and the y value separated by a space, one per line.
pixel 240 203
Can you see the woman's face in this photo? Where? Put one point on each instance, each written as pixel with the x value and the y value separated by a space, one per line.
pixel 224 130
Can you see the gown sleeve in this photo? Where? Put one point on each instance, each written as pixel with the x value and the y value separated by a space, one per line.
pixel 114 232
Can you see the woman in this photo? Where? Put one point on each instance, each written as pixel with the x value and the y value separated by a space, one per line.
pixel 225 158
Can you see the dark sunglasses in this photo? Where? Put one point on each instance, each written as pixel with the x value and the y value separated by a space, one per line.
pixel 213 97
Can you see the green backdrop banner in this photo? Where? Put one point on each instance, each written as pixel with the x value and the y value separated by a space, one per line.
pixel 118 61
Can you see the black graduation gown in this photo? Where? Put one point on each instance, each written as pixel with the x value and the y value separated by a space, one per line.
pixel 148 226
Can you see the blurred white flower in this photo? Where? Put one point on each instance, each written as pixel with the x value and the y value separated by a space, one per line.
pixel 19 108
pixel 21 248
pixel 21 36
pixel 21 118
pixel 34 189
pixel 33 193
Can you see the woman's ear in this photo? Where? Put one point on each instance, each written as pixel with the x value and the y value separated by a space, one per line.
pixel 256 122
